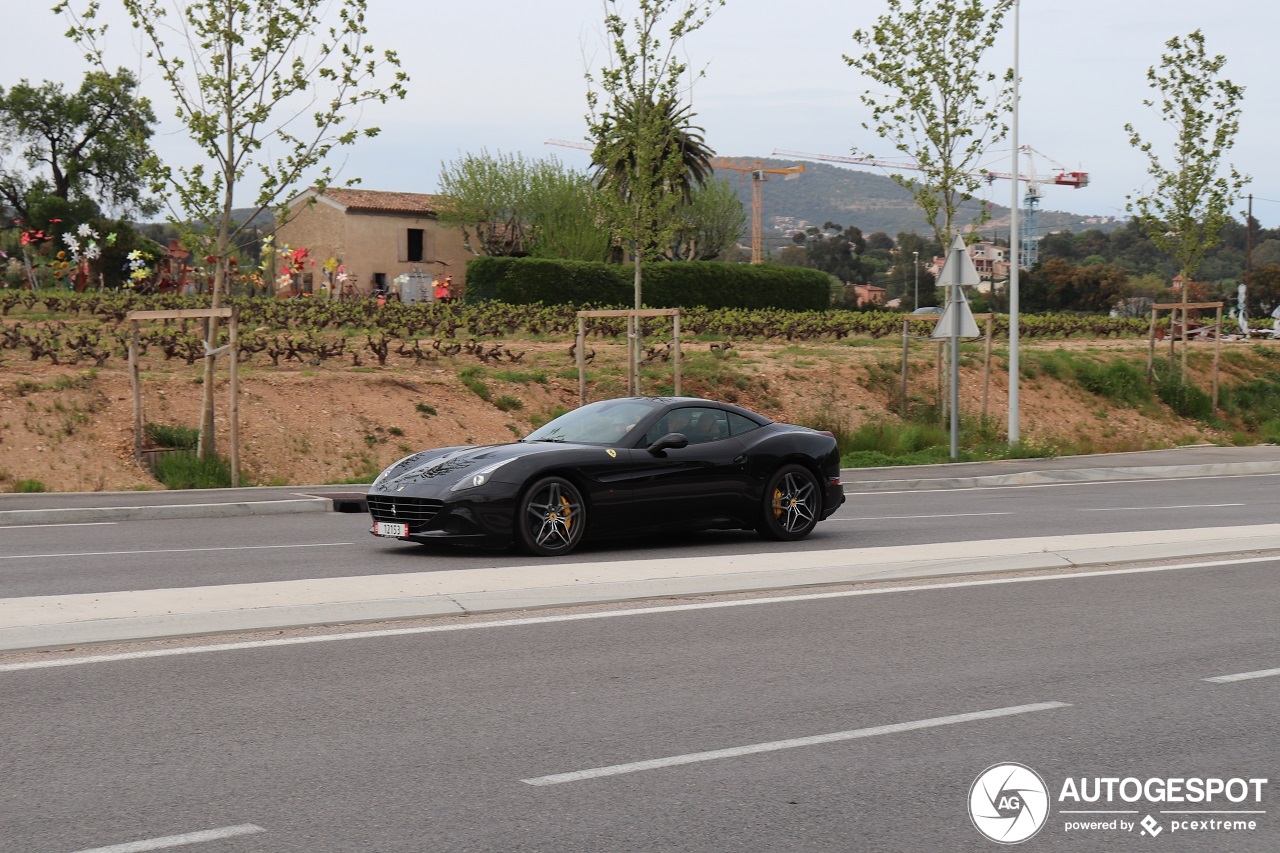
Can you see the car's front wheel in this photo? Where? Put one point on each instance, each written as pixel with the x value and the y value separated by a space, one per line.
pixel 551 518
pixel 791 504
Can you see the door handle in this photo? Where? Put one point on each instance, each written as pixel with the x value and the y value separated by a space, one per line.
pixel 739 459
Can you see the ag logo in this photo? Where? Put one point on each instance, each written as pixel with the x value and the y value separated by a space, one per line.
pixel 613 453
pixel 1008 803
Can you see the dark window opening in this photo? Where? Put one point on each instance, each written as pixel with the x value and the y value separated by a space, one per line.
pixel 416 242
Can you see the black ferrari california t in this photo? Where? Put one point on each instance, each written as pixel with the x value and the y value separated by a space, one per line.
pixel 617 467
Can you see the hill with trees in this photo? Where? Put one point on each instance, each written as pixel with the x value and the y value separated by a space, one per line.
pixel 873 202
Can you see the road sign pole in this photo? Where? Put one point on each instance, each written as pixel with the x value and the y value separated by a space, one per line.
pixel 956 323
pixel 957 297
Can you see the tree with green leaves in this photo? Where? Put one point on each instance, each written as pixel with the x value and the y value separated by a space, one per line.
pixel 648 154
pixel 711 223
pixel 83 146
pixel 270 87
pixel 932 101
pixel 1187 205
pixel 514 206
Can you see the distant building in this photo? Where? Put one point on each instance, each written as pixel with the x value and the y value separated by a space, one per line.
pixel 868 294
pixel 377 236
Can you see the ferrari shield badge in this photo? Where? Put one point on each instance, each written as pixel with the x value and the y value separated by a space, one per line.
pixel 612 453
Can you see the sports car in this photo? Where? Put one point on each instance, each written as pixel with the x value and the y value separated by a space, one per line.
pixel 616 467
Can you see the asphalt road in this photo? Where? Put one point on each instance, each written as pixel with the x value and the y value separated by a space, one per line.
pixel 135 555
pixel 457 740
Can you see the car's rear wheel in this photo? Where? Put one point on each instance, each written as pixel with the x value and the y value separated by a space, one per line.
pixel 551 518
pixel 792 503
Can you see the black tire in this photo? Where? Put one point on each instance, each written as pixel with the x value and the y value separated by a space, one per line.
pixel 791 504
pixel 551 518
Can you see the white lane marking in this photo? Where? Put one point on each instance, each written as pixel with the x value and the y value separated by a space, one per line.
pixel 170 551
pixel 1149 481
pixel 60 524
pixel 1175 506
pixel 897 517
pixel 179 840
pixel 605 614
pixel 1243 676
pixel 774 746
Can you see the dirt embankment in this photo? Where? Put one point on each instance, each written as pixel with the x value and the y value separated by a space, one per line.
pixel 71 428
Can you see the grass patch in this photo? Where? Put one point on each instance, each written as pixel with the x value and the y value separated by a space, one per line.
pixel 186 470
pixel 923 442
pixel 524 377
pixel 425 410
pixel 1185 399
pixel 178 437
pixel 471 378
pixel 507 403
pixel 29 486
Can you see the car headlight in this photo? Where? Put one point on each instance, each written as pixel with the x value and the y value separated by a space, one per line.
pixel 478 478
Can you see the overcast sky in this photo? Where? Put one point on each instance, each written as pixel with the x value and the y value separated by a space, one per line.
pixel 507 75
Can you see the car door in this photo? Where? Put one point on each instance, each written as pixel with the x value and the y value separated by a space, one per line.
pixel 694 486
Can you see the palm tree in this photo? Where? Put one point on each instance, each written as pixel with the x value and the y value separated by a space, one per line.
pixel 653 143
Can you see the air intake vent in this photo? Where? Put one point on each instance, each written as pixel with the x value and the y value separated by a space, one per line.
pixel 414 512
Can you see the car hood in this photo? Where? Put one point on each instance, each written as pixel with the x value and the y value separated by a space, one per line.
pixel 447 464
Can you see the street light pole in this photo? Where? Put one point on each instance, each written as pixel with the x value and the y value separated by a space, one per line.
pixel 916 304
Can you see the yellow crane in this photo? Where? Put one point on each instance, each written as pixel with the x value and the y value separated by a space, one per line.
pixel 758 171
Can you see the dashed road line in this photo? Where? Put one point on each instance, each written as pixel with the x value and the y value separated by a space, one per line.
pixel 169 551
pixel 1243 676
pixel 179 840
pixel 1177 506
pixel 793 743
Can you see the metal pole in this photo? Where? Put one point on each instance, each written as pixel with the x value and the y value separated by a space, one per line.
pixel 1014 426
pixel 916 303
pixel 954 304
pixel 235 402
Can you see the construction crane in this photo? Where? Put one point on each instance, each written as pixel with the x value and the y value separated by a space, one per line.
pixel 1030 250
pixel 759 173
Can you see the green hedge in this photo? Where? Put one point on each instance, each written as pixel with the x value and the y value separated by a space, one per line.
pixel 683 284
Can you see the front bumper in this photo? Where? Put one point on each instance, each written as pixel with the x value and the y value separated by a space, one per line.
pixel 485 516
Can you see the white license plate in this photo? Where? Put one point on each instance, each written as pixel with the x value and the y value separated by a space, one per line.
pixel 388 528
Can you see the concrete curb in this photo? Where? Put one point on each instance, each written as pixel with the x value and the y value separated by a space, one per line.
pixel 1078 475
pixel 71 620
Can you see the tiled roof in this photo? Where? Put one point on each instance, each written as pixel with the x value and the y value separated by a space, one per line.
pixel 378 201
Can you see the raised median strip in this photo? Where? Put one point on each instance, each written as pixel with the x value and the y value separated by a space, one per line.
pixel 53 621
pixel 224 509
pixel 1046 477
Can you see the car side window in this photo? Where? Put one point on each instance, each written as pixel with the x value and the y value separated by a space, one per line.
pixel 738 425
pixel 697 424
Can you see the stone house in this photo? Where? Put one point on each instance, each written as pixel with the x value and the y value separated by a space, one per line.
pixel 377 236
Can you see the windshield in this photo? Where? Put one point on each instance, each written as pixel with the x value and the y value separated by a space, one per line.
pixel 605 422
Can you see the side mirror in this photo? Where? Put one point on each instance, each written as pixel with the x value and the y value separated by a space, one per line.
pixel 673 440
